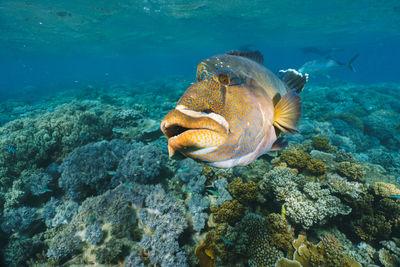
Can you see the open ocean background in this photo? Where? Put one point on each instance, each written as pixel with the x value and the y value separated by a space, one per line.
pixel 65 44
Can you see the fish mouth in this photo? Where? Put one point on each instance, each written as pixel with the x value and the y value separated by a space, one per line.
pixel 193 133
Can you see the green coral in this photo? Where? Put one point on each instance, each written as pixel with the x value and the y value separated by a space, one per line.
pixel 296 158
pixel 217 245
pixel 229 211
pixel 371 228
pixel 280 231
pixel 244 192
pixel 316 167
pixel 321 143
pixel 351 171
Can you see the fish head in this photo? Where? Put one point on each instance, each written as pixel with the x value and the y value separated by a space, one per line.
pixel 220 119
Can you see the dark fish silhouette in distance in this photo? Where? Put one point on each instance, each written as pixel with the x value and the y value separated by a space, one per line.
pixel 323 66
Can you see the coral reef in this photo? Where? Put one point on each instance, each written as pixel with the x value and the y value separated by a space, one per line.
pixel 71 194
pixel 86 168
pixel 385 189
pixel 328 252
pixel 229 211
pixel 321 143
pixel 351 171
pixel 245 193
pixel 306 204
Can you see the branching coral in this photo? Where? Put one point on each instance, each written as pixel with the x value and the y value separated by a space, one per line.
pixel 230 212
pixel 351 171
pixel 306 204
pixel 340 185
pixel 243 192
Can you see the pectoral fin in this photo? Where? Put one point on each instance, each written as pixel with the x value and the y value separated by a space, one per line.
pixel 278 144
pixel 287 112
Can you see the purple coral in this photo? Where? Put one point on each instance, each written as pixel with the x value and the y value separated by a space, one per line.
pixel 86 168
pixel 142 164
pixel 165 218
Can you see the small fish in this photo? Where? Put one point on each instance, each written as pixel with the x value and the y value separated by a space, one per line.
pixel 128 185
pixel 91 219
pixel 215 193
pixel 235 111
pixel 283 211
pixel 398 127
pixel 180 170
pixel 226 240
pixel 11 149
pixel 395 196
pixel 187 190
pixel 138 166
pixel 47 190
pixel 111 172
pixel 323 66
pixel 84 137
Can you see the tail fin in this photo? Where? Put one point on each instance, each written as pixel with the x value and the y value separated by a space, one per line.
pixel 349 64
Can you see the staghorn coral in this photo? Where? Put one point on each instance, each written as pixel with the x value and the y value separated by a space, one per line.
pixel 244 192
pixel 93 233
pixel 382 125
pixel 229 211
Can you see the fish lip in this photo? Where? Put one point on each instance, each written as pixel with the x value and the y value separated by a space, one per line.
pixel 182 119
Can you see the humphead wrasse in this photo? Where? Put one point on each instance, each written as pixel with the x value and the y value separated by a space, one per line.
pixel 235 111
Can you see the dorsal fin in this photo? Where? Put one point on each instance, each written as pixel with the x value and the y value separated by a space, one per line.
pixel 253 55
pixel 294 79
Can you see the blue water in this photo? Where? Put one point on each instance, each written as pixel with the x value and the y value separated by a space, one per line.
pixel 52 46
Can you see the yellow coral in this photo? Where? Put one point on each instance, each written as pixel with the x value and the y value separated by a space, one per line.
pixel 328 252
pixel 385 189
pixel 205 255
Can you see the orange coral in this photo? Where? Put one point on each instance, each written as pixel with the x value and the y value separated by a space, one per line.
pixel 205 255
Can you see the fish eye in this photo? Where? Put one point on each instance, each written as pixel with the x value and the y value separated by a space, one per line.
pixel 223 78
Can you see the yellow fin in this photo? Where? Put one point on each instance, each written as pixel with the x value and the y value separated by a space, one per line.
pixel 287 112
